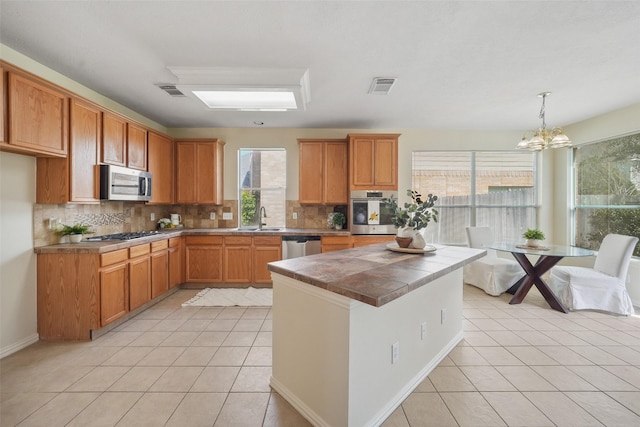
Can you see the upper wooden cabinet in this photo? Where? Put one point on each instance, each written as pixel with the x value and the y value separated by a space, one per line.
pixel 123 143
pixel 136 147
pixel 37 117
pixel 199 171
pixel 373 161
pixel 76 178
pixel 323 171
pixel 160 155
pixel 3 106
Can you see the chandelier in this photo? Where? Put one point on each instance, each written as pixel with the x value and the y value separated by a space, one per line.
pixel 544 138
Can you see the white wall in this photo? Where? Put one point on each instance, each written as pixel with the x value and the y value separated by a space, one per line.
pixel 18 327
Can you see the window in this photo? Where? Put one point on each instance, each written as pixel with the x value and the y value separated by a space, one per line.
pixel 607 190
pixel 483 188
pixel 262 183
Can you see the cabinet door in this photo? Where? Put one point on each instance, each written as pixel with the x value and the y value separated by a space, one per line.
pixel 206 180
pixel 159 273
pixel 362 162
pixel 160 154
pixel 86 128
pixel 38 117
pixel 114 140
pixel 265 250
pixel 136 147
pixel 114 292
pixel 3 107
pixel 185 172
pixel 203 258
pixel 139 282
pixel 311 172
pixel 237 260
pixel 336 173
pixel 176 262
pixel 386 163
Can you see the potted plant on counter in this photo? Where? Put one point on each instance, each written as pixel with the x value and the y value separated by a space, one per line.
pixel 533 236
pixel 415 216
pixel 75 232
pixel 339 220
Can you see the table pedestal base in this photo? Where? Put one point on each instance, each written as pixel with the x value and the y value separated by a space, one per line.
pixel 533 277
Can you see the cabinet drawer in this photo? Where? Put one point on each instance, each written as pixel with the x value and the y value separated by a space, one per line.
pixel 204 240
pixel 337 240
pixel 267 241
pixel 114 257
pixel 174 242
pixel 136 251
pixel 159 245
pixel 238 240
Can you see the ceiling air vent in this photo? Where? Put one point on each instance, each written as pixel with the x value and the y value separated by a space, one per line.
pixel 171 90
pixel 381 85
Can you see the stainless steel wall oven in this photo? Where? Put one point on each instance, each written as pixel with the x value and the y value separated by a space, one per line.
pixel 370 213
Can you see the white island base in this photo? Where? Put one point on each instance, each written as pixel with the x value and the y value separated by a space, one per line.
pixel 332 355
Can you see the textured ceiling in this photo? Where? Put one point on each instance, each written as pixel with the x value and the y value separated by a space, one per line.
pixel 460 65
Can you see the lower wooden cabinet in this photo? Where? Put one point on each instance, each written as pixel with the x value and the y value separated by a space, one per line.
pixel 266 249
pixel 237 259
pixel 336 243
pixel 114 290
pixel 371 240
pixel 231 259
pixel 203 259
pixel 78 293
pixel 159 267
pixel 176 261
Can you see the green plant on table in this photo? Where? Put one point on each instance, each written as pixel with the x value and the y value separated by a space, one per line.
pixel 416 214
pixel 533 234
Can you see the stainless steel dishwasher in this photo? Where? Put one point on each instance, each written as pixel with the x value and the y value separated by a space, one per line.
pixel 297 246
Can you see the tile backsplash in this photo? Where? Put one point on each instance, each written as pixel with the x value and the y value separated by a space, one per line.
pixel 118 217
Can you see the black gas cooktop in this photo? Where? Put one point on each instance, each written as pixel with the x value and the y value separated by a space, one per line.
pixel 122 236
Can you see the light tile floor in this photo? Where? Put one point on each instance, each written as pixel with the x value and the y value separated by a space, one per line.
pixel 520 365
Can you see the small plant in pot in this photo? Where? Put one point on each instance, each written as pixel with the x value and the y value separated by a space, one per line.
pixel 339 220
pixel 75 232
pixel 533 236
pixel 415 216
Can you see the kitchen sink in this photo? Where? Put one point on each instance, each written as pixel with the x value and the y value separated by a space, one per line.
pixel 263 229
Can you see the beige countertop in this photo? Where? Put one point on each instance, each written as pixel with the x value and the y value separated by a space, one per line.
pixel 373 274
pixel 113 245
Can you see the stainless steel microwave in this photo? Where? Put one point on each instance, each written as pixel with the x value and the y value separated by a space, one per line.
pixel 118 183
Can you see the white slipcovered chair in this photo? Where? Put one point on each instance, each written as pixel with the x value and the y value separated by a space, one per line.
pixel 602 287
pixel 491 273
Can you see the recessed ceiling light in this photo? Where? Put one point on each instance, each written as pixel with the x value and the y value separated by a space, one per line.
pixel 247 100
pixel 245 89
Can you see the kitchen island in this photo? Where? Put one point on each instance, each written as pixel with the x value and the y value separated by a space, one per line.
pixel 355 331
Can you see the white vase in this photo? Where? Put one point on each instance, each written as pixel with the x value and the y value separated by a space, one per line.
pixel 75 238
pixel 405 232
pixel 533 243
pixel 418 241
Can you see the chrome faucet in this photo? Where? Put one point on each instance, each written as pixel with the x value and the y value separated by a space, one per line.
pixel 263 214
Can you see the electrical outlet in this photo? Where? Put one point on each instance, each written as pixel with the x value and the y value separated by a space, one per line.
pixel 212 216
pixel 227 215
pixel 295 215
pixel 423 330
pixel 395 352
pixel 152 216
pixel 52 223
pixel 443 316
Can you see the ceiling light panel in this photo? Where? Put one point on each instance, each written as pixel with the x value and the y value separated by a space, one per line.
pixel 247 100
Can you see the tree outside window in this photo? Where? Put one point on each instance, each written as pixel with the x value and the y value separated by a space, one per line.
pixel 607 189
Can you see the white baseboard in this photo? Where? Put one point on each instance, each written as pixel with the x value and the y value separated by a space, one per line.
pixel 17 346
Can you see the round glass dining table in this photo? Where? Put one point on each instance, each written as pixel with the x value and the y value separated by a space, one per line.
pixel 549 255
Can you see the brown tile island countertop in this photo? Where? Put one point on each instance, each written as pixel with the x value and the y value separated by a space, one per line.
pixel 356 331
pixel 373 274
